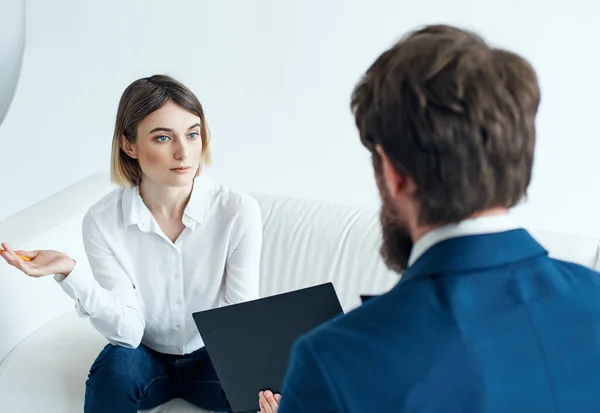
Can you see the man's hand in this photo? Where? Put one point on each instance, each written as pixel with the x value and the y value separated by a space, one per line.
pixel 44 262
pixel 268 402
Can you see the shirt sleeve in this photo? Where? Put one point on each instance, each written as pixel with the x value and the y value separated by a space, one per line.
pixel 306 387
pixel 243 264
pixel 107 296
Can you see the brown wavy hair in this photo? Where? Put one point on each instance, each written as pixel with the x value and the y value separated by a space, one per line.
pixel 454 114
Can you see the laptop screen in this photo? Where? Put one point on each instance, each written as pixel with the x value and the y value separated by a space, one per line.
pixel 249 343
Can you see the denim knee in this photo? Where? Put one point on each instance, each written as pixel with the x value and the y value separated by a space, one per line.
pixel 121 370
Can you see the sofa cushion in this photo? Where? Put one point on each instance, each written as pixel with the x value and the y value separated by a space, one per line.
pixel 47 371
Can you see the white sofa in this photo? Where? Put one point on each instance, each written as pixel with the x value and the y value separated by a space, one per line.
pixel 46 350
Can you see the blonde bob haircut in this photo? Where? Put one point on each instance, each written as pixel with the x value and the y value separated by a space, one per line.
pixel 140 99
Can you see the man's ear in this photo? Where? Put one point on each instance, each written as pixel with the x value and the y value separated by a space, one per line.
pixel 394 181
pixel 128 147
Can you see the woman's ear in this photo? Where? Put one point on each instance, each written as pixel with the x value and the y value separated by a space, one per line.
pixel 128 147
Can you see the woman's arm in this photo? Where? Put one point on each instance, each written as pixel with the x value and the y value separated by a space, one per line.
pixel 108 298
pixel 243 264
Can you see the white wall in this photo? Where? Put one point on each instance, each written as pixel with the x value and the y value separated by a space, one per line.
pixel 275 78
pixel 12 44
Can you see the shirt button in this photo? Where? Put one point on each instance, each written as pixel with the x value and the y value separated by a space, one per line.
pixel 178 326
pixel 179 302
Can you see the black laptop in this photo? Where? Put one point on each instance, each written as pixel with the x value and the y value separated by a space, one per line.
pixel 366 297
pixel 249 343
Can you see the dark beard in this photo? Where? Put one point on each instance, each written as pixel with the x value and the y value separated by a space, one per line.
pixel 396 244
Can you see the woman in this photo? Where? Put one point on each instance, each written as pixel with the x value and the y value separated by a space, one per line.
pixel 168 242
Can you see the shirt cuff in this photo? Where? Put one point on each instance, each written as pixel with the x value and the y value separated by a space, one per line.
pixel 78 285
pixel 60 277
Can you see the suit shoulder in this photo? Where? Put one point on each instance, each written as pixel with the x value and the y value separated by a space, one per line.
pixel 364 320
pixel 572 266
pixel 395 318
pixel 573 270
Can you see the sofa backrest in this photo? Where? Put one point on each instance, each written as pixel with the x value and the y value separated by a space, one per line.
pixel 304 243
pixel 308 242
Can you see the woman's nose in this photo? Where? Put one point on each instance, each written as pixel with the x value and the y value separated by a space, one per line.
pixel 180 150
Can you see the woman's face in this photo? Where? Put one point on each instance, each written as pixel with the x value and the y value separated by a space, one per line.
pixel 168 146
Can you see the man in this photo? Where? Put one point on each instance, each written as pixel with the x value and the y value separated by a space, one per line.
pixel 482 319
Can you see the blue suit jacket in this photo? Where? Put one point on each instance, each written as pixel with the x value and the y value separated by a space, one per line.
pixel 478 324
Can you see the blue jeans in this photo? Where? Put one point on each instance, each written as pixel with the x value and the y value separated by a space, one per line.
pixel 123 380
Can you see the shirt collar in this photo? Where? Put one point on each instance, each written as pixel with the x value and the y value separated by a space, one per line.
pixel 200 200
pixel 472 226
pixel 135 211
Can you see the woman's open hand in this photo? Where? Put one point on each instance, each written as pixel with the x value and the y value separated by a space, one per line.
pixel 43 262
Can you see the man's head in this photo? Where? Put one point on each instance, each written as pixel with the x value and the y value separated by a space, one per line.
pixel 450 123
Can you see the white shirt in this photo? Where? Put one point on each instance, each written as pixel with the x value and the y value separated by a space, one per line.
pixel 486 224
pixel 144 287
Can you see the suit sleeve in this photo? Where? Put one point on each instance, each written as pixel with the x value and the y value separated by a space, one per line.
pixel 307 387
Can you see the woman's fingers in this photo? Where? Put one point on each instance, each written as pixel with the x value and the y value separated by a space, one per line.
pixel 271 401
pixel 22 265
pixel 9 255
pixel 265 406
pixel 24 255
pixel 27 254
pixel 6 248
pixel 261 404
pixel 10 251
pixel 4 254
pixel 13 259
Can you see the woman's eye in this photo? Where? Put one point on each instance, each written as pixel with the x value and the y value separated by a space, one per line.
pixel 193 135
pixel 162 138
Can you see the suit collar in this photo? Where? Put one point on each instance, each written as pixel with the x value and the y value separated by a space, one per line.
pixel 475 252
pixel 482 225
